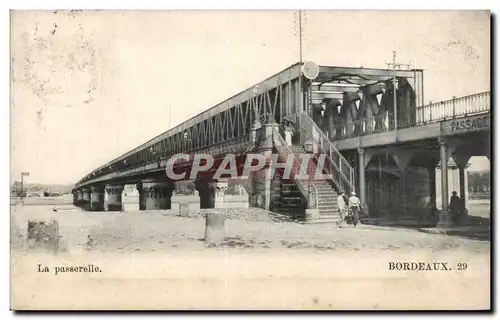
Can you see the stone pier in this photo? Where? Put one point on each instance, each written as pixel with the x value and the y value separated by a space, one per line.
pixel 85 199
pixel 97 198
pixel 212 193
pixel 156 195
pixel 262 193
pixel 114 197
pixel 78 198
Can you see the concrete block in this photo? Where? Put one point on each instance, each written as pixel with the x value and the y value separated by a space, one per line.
pixel 214 228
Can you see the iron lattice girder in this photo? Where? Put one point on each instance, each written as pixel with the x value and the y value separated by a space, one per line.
pixel 233 116
pixel 237 146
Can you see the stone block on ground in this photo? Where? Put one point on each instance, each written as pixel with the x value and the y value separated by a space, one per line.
pixel 312 214
pixel 215 229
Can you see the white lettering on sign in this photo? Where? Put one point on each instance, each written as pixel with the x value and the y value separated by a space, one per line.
pixel 467 124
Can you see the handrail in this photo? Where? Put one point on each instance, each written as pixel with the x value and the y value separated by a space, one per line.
pixel 454 108
pixel 281 145
pixel 337 162
pixel 478 103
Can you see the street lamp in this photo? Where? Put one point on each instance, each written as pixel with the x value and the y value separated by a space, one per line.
pixel 256 91
pixel 23 174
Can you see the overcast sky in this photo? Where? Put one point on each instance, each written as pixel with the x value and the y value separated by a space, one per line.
pixel 87 87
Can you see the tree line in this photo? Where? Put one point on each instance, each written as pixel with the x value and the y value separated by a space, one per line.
pixel 479 182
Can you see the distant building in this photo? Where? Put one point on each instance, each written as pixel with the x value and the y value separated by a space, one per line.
pixel 35 192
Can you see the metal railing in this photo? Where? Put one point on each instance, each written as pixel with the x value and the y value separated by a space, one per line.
pixel 285 152
pixel 453 108
pixel 433 112
pixel 336 165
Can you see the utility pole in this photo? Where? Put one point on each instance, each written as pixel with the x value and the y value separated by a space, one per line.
pixel 395 65
pixel 300 36
pixel 301 93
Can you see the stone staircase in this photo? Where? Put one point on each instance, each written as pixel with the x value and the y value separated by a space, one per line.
pixel 291 202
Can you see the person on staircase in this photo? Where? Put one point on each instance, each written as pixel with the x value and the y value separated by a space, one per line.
pixel 342 207
pixel 354 207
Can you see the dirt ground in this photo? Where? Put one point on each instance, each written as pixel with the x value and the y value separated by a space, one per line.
pixel 160 230
pixel 261 264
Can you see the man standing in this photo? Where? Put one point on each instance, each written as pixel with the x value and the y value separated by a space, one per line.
pixel 341 205
pixel 455 206
pixel 354 206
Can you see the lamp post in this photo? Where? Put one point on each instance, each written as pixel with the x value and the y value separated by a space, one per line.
pixel 23 174
pixel 300 36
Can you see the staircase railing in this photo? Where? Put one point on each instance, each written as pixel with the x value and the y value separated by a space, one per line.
pixel 336 165
pixel 285 152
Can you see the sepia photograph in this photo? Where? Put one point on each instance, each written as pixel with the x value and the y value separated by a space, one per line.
pixel 250 160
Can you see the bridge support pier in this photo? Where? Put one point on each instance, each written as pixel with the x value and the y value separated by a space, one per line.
pixel 219 188
pixel 140 190
pixel 97 198
pixel 85 204
pixel 261 194
pixel 261 188
pixel 204 191
pixel 114 198
pixel 212 193
pixel 78 198
pixel 156 195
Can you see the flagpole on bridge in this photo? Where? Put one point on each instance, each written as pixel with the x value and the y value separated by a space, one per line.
pixel 301 93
